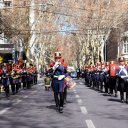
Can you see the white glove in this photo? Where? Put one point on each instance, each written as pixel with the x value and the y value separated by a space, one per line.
pixel 56 65
pixel 122 76
pixel 61 77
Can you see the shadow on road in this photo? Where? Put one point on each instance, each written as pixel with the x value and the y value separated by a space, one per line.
pixel 51 107
pixel 106 94
pixel 115 100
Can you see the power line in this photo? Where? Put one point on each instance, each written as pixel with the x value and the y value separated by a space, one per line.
pixel 56 31
pixel 25 5
pixel 58 13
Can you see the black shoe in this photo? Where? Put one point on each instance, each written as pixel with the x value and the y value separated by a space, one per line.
pixel 116 95
pixel 122 101
pixel 13 93
pixel 57 107
pixel 65 101
pixel 24 88
pixel 127 101
pixel 112 95
pixel 61 109
pixel 7 95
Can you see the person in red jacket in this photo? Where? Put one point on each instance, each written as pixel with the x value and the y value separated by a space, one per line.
pixel 1 73
pixel 112 77
pixel 107 78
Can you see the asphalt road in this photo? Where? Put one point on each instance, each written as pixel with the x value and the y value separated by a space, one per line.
pixel 86 108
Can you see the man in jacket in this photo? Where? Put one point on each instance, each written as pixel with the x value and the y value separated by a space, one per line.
pixel 122 74
pixel 58 85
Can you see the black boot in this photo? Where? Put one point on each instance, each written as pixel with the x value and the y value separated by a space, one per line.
pixel 61 109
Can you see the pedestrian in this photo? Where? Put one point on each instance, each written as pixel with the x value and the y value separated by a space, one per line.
pixel 107 78
pixel 24 78
pixel 28 79
pixel 6 82
pixel 13 82
pixel 47 81
pixel 102 77
pixel 67 73
pixel 112 78
pixel 17 82
pixel 98 69
pixel 1 73
pixel 78 72
pixel 58 85
pixel 122 74
pixel 35 73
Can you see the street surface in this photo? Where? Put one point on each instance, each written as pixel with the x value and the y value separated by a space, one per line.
pixel 86 108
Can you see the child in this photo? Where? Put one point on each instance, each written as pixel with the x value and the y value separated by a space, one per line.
pixel 47 81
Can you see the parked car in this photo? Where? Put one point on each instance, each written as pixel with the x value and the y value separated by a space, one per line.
pixel 70 68
pixel 73 74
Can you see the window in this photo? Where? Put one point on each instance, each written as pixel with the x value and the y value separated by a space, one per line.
pixel 7 3
pixel 125 46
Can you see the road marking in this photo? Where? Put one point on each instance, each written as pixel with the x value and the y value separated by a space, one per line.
pixel 83 110
pixel 89 124
pixel 25 96
pixel 77 96
pixel 74 90
pixel 40 84
pixel 33 92
pixel 17 102
pixel 79 101
pixel 81 83
pixel 4 110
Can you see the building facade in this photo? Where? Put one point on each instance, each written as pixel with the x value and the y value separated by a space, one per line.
pixel 11 46
pixel 123 45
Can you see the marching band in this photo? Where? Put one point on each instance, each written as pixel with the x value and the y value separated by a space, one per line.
pixel 15 76
pixel 109 77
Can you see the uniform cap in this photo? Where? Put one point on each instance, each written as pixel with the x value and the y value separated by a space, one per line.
pixel 107 63
pixel 121 59
pixel 52 64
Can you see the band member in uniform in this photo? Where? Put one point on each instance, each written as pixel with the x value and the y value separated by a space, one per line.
pixel 112 77
pixel 1 73
pixel 65 87
pixel 19 76
pixel 31 73
pixel 107 78
pixel 122 73
pixel 17 80
pixel 102 77
pixel 13 82
pixel 24 78
pixel 78 72
pixel 28 79
pixel 98 69
pixel 58 85
pixel 5 81
pixel 35 73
